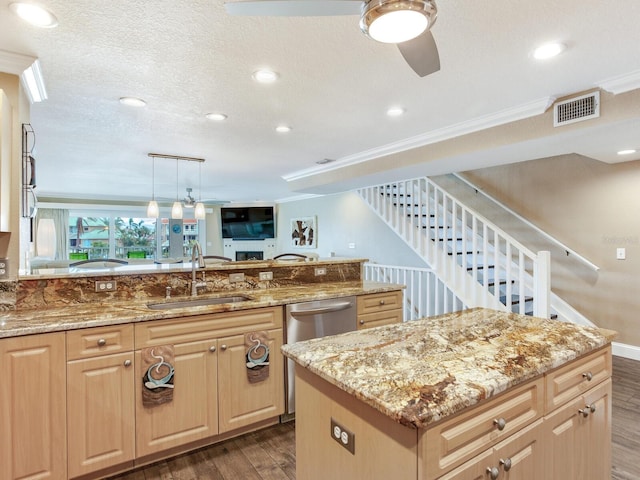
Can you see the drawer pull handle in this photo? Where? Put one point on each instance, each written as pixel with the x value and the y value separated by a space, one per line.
pixel 585 411
pixel 381 302
pixel 506 464
pixel 223 347
pixel 500 423
pixel 212 348
pixel 588 376
pixel 127 363
pixel 493 472
pixel 102 342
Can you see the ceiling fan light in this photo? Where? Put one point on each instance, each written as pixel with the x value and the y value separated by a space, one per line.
pixel 397 21
pixel 199 213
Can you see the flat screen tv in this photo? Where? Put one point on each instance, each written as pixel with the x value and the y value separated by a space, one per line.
pixel 247 223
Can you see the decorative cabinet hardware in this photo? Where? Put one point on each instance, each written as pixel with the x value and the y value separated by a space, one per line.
pixel 587 410
pixel 102 342
pixel 223 347
pixel 212 348
pixel 506 464
pixel 381 302
pixel 127 363
pixel 361 322
pixel 493 472
pixel 588 376
pixel 500 423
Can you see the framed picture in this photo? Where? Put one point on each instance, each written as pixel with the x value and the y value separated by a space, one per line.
pixel 304 232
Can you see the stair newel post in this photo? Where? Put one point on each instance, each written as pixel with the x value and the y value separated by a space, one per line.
pixel 542 284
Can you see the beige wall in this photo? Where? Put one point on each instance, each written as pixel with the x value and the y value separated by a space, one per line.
pixel 594 208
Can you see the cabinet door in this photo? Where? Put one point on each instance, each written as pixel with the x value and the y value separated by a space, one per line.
pixel 242 403
pixel 101 400
pixel 521 456
pixel 579 437
pixel 33 408
pixel 193 413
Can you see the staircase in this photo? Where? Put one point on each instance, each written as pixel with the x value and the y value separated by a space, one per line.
pixel 476 260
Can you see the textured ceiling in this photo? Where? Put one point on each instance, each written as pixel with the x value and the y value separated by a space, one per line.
pixel 187 58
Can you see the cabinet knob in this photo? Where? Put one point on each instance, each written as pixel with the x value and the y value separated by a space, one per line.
pixel 592 407
pixel 223 347
pixel 588 376
pixel 102 342
pixel 500 423
pixel 493 472
pixel 381 302
pixel 361 322
pixel 127 363
pixel 506 464
pixel 212 348
pixel 585 411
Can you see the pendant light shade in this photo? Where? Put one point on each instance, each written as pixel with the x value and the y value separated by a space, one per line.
pixel 176 210
pixel 199 212
pixel 152 209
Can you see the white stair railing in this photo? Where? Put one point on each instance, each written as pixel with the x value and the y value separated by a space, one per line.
pixel 473 258
pixel 425 295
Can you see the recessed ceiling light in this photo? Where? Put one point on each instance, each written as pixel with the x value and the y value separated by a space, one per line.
pixel 396 111
pixel 265 76
pixel 132 101
pixel 626 152
pixel 34 14
pixel 548 50
pixel 283 129
pixel 217 117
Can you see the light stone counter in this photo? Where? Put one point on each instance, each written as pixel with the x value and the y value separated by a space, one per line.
pixel 419 372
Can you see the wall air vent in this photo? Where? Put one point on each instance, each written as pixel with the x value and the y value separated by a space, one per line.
pixel 576 109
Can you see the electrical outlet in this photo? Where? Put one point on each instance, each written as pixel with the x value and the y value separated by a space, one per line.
pixel 105 286
pixel 4 267
pixel 343 436
pixel 320 271
pixel 265 276
pixel 236 277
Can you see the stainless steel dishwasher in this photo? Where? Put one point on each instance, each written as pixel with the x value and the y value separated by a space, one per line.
pixel 319 318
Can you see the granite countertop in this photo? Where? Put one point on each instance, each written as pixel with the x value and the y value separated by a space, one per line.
pixel 83 315
pixel 422 371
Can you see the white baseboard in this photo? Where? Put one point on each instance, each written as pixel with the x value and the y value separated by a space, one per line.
pixel 627 351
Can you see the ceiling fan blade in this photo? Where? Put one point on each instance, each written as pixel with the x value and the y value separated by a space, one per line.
pixel 421 54
pixel 294 8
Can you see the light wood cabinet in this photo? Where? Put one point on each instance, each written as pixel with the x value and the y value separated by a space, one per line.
pixel 578 436
pixel 33 408
pixel 211 394
pixel 241 402
pixel 100 396
pixel 377 309
pixel 193 412
pixel 507 437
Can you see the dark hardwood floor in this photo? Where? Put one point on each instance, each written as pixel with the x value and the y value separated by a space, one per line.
pixel 269 454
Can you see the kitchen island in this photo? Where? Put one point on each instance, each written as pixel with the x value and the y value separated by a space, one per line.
pixel 473 394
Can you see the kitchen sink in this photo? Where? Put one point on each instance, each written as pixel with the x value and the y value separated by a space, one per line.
pixel 197 302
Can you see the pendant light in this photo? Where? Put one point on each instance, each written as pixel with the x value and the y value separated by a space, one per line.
pixel 152 209
pixel 199 212
pixel 176 210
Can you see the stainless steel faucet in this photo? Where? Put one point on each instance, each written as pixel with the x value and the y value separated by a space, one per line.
pixel 196 249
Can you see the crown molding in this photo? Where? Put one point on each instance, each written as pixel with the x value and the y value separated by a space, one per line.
pixel 621 83
pixel 15 63
pixel 502 117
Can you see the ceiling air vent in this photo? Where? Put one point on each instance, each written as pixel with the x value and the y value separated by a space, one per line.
pixel 576 109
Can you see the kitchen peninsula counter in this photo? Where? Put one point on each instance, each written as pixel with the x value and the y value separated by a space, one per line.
pixel 420 375
pixel 115 312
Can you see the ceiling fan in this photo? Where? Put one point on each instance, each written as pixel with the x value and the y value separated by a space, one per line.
pixel 409 22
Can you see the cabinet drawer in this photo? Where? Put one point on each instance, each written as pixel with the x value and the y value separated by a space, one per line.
pixel 203 327
pixel 569 381
pixel 455 441
pixel 379 302
pixel 380 318
pixel 91 342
